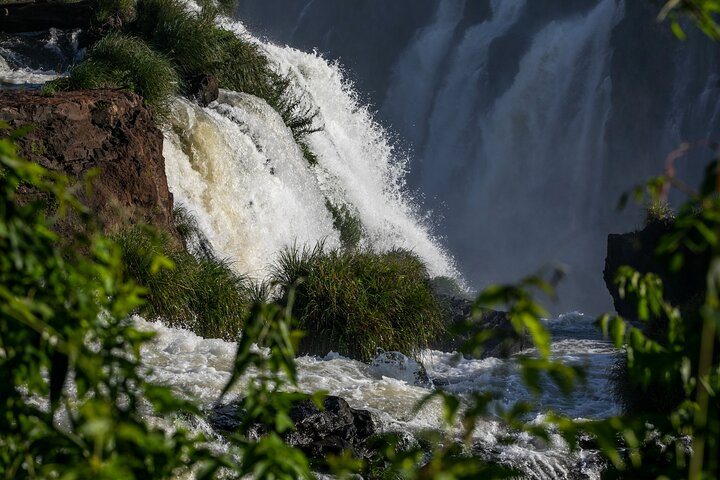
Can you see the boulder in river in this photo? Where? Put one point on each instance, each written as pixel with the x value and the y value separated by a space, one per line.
pixel 335 428
pixel 463 324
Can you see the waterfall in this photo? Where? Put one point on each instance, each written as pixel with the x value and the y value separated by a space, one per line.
pixel 238 169
pixel 526 120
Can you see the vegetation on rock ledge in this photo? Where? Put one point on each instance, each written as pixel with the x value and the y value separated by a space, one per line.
pixel 354 302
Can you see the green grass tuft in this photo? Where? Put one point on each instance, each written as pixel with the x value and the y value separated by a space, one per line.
pixel 119 10
pixel 355 302
pixel 193 238
pixel 121 61
pixel 201 294
pixel 197 46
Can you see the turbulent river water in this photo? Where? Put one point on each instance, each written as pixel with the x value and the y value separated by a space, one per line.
pixel 199 368
pixel 236 167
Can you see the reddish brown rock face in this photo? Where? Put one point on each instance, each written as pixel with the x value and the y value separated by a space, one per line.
pixel 108 130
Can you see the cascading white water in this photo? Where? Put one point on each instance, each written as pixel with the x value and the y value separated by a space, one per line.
pixel 199 369
pixel 527 119
pixel 519 159
pixel 236 166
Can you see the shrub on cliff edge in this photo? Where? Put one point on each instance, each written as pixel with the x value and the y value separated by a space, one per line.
pixel 354 302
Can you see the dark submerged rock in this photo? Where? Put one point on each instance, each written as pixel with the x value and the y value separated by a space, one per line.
pixel 462 325
pixel 318 432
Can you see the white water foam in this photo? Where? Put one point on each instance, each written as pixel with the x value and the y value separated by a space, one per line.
pixel 199 368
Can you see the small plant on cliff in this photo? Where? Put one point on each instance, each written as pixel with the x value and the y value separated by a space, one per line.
pixel 354 302
pixel 197 46
pixel 120 61
pixel 200 293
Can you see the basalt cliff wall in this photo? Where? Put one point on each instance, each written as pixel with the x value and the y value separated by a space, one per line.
pixel 106 133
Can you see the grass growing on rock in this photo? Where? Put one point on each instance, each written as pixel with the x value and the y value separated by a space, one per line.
pixel 354 302
pixel 158 47
pixel 201 294
pixel 121 61
pixel 197 46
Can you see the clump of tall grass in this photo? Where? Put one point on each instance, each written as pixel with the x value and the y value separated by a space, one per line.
pixel 193 238
pixel 122 61
pixel 659 212
pixel 197 46
pixel 354 302
pixel 202 294
pixel 119 11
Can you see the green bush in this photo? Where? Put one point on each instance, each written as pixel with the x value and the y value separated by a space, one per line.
pixel 72 391
pixel 74 402
pixel 121 61
pixel 122 10
pixel 197 46
pixel 200 293
pixel 353 302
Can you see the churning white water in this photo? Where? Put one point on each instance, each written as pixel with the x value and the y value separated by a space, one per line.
pixel 199 368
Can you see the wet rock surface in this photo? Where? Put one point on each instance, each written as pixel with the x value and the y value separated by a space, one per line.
pixel 462 325
pixel 318 432
pixel 105 131
pixel 205 89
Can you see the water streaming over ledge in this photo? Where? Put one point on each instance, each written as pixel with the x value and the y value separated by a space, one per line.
pixel 237 168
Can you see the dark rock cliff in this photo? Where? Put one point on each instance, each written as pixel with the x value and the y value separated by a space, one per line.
pixel 637 249
pixel 104 130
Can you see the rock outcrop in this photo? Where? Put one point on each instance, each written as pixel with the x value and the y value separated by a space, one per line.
pixel 107 131
pixel 318 432
pixel 462 325
pixel 637 250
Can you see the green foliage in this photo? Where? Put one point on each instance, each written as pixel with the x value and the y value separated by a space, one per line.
pixel 71 391
pixel 200 293
pixel 347 224
pixel 73 402
pixel 267 400
pixel 121 61
pixel 678 353
pixel 353 302
pixel 703 13
pixel 119 11
pixel 659 212
pixel 197 46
